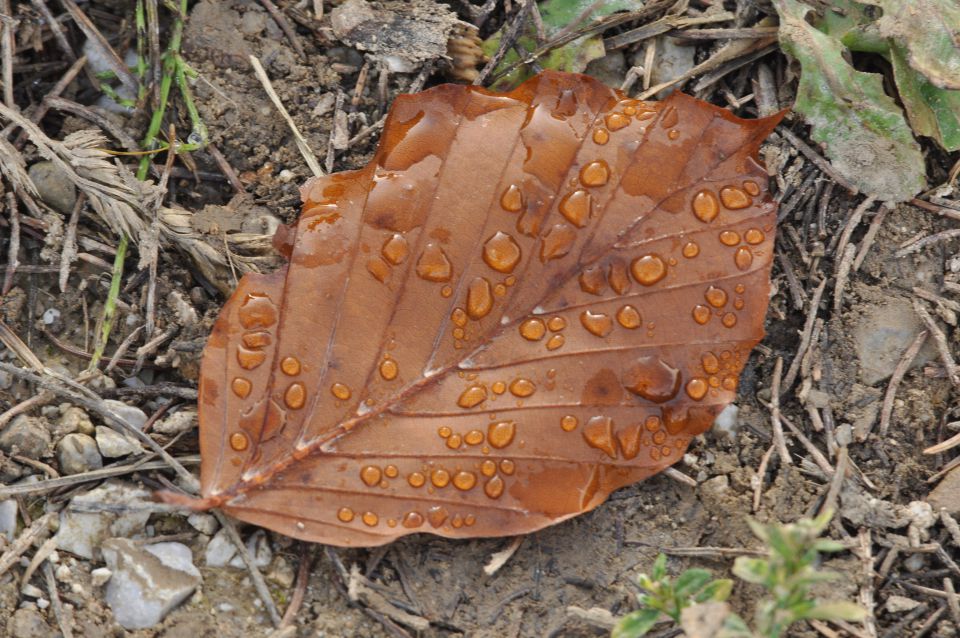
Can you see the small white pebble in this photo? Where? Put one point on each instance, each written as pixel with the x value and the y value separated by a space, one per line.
pixel 54 557
pixel 63 573
pixel 286 175
pixel 31 590
pixel 43 603
pixel 50 315
pixel 100 576
pixel 78 589
pixel 225 607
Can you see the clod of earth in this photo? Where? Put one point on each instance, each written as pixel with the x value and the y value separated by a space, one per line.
pixel 524 302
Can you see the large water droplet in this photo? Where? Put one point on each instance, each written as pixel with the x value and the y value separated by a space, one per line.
pixel 595 173
pixel 440 478
pixel 345 514
pixel 533 329
pixel 479 298
pixel 391 471
pixel 616 121
pixel 494 487
pixel 601 136
pixel 754 236
pixel 416 479
pixel 648 269
pixel 241 387
pixel 257 311
pixel 488 468
pixel 751 187
pixel 653 379
pixel 501 252
pixel 507 467
pixel 734 198
pixel 433 264
pixel 340 391
pixel 618 277
pixel 710 363
pixel 743 258
pixel 629 317
pixel 729 320
pixel 395 249
pixel 389 369
pixel 239 441
pixel 473 437
pixel 697 388
pixel 716 297
pixel 256 340
pixel 691 249
pixel 454 441
pixel 576 207
pixel 557 242
pixel 464 480
pixel 437 515
pixel 370 519
pixel 701 314
pixel 512 199
pixel 593 281
pixel 596 323
pixel 522 387
pixel 568 423
pixel 554 342
pixel 250 359
pixel 412 520
pixel 629 438
pixel 729 238
pixel 598 433
pixel 472 396
pixel 501 434
pixel 705 206
pixel 371 475
pixel 290 366
pixel 296 396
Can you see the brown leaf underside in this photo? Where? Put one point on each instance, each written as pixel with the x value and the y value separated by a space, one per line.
pixel 525 302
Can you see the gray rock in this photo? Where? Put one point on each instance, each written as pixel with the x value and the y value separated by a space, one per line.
pixel 113 445
pixel 899 604
pixel 672 60
pixel 55 188
pixel 74 419
pixel 259 548
pixel 129 413
pixel 78 453
pixel 179 421
pixel 148 581
pixel 883 335
pixel 8 519
pixel 82 531
pixel 27 436
pixel 203 523
pixel 946 495
pixel 28 623
pixel 609 69
pixel 100 576
pixel 220 550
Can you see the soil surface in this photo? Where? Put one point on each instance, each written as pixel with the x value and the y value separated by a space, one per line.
pixel 835 398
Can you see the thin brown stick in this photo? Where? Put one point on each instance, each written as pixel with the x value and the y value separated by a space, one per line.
pixel 757 479
pixel 7 47
pixel 778 437
pixel 871 235
pixel 300 587
pixel 805 336
pixel 225 168
pixel 55 29
pixel 255 576
pixel 507 39
pixel 941 340
pixel 886 411
pixel 13 251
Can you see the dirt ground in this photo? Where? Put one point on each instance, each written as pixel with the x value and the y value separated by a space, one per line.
pixel 835 401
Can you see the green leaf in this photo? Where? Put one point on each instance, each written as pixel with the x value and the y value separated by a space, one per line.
pixel 866 136
pixel 690 582
pixel 573 56
pixel 933 112
pixel 827 545
pixel 837 610
pixel 636 623
pixel 929 33
pixel 734 627
pixel 717 591
pixel 752 570
pixel 659 567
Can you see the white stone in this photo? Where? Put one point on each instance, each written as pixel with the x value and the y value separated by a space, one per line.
pixel 727 421
pixel 203 523
pixel 100 576
pixel 897 604
pixel 31 591
pixel 219 550
pixel 63 574
pixel 50 315
pixel 259 547
pixel 112 444
pixel 8 519
pixel 129 413
pixel 148 581
pixel 82 532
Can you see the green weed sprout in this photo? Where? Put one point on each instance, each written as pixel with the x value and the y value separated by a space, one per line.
pixel 665 595
pixel 787 574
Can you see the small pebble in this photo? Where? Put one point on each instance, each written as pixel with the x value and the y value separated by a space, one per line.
pixel 31 591
pixel 203 523
pixel 54 187
pixel 74 419
pixel 50 316
pixel 27 622
pixel 100 576
pixel 113 445
pixel 129 413
pixel 78 453
pixel 63 573
pixel 27 436
pixel 8 519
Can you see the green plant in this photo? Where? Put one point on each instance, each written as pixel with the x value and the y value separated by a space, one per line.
pixel 863 128
pixel 787 573
pixel 665 595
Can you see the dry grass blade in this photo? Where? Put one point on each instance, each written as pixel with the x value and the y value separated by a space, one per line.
pixel 118 198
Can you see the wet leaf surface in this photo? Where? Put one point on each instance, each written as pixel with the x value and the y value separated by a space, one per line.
pixel 524 302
